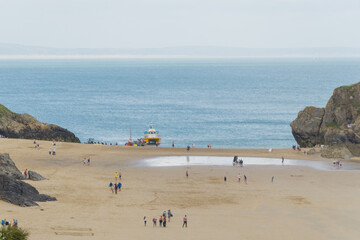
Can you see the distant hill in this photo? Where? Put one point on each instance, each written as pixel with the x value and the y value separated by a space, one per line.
pixel 19 51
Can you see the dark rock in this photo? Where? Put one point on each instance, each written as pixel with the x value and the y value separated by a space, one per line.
pixel 35 176
pixel 7 167
pixel 306 126
pixel 20 193
pixel 338 125
pixel 14 125
pixel 15 191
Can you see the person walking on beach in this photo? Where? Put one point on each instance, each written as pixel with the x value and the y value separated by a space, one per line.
pixel 116 188
pixel 245 179
pixel 160 221
pixel 170 215
pixel 88 162
pixel 272 179
pixel 49 151
pixel 282 160
pixel 54 151
pixel 185 221
pixel 173 144
pixel 116 176
pixel 188 148
pixel 193 145
pixel 154 221
pixel 111 187
pixel 25 173
pixel 225 179
pixel 164 221
pixel 119 186
pixel 239 177
pixel 187 174
pixel 145 221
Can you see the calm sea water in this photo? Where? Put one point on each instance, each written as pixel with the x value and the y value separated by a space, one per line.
pixel 229 103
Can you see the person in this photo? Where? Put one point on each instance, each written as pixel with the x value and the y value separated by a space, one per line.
pixel 173 144
pixel 164 221
pixel 185 221
pixel 193 145
pixel 3 222
pixel 208 145
pixel 116 176
pixel 116 188
pixel 187 174
pixel 84 161
pixel 119 186
pixel 160 221
pixel 154 221
pixel 88 161
pixel 164 214
pixel 272 179
pixel 110 186
pixel 25 173
pixel 120 174
pixel 49 151
pixel 15 223
pixel 225 179
pixel 170 215
pixel 34 141
pixel 239 177
pixel 245 179
pixel 54 151
pixel 282 160
pixel 241 163
pixel 145 221
pixel 188 148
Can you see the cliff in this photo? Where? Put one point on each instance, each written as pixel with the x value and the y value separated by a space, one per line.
pixel 337 125
pixel 14 125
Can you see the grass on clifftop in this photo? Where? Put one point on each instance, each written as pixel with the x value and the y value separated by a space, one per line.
pixel 4 110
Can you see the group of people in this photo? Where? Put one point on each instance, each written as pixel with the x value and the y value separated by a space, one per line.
pixel 86 162
pixel 116 187
pixel 238 162
pixel 337 164
pixel 294 147
pixel 163 219
pixel 26 174
pixel 4 222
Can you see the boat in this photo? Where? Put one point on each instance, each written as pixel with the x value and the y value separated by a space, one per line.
pixel 151 136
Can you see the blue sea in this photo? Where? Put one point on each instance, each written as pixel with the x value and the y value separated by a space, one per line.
pixel 230 103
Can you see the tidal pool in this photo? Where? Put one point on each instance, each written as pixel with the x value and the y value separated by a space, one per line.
pixel 174 161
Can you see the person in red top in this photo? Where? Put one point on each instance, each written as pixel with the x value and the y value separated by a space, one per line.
pixel 185 221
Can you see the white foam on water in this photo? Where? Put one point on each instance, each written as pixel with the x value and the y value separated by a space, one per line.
pixel 176 161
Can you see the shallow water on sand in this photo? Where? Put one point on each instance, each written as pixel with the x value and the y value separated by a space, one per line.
pixel 175 161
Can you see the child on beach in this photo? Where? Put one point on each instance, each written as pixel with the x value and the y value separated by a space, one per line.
pixel 239 177
pixel 154 221
pixel 145 221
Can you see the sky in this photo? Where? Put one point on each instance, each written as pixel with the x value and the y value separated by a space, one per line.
pixel 168 23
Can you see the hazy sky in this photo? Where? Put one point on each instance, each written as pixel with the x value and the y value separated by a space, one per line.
pixel 162 23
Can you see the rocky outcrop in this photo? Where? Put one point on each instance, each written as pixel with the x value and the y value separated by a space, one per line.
pixel 336 125
pixel 15 191
pixel 7 167
pixel 14 125
pixel 34 176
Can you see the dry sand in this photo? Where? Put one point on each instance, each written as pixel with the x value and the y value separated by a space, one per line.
pixel 302 203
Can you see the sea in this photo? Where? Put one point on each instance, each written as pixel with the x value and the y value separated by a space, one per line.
pixel 229 103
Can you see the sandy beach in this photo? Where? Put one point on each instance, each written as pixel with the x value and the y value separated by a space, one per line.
pixel 301 203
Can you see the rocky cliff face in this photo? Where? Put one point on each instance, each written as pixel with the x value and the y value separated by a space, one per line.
pixel 15 191
pixel 338 124
pixel 15 125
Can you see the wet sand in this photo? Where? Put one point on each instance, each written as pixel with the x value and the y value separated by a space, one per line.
pixel 302 203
